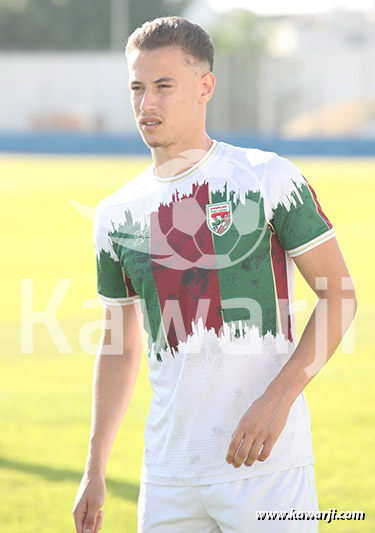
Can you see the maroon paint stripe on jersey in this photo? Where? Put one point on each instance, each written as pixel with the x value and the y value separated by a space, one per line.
pixel 128 284
pixel 188 285
pixel 318 207
pixel 281 280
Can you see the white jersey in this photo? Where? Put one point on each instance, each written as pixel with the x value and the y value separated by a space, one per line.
pixel 209 255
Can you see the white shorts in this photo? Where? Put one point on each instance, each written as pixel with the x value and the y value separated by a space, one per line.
pixel 230 507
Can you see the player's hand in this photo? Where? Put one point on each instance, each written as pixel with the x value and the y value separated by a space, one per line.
pixel 87 513
pixel 257 431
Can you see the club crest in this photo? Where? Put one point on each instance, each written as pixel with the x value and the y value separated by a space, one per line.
pixel 219 217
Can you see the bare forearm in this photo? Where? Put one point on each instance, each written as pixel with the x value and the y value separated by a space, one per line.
pixel 325 271
pixel 264 420
pixel 322 335
pixel 114 381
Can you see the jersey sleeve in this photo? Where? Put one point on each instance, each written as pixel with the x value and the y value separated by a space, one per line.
pixel 114 286
pixel 297 217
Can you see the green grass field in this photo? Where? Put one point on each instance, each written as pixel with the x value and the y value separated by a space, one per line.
pixel 45 397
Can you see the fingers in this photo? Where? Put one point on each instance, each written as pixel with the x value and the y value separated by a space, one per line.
pixel 93 519
pixel 254 452
pixel 267 448
pixel 247 448
pixel 79 514
pixel 243 451
pixel 99 521
pixel 237 438
pixel 87 522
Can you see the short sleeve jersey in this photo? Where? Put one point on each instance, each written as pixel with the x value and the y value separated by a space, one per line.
pixel 208 253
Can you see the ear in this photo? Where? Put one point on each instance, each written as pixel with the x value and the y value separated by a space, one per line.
pixel 207 87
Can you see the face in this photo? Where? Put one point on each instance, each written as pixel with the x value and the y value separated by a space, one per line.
pixel 168 95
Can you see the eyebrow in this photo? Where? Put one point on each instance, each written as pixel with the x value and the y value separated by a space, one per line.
pixel 160 80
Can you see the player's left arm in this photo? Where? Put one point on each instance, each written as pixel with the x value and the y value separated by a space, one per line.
pixel 325 271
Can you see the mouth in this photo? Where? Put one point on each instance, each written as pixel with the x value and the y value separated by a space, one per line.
pixel 150 124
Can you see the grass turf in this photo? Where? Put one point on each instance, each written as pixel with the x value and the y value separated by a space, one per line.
pixel 45 396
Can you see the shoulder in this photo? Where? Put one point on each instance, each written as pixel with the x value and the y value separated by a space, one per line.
pixel 279 169
pixel 266 165
pixel 278 179
pixel 110 210
pixel 250 157
pixel 126 194
pixel 283 183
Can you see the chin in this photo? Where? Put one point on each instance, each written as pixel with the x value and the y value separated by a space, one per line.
pixel 154 144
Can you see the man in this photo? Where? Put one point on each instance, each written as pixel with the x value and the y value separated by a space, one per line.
pixel 203 242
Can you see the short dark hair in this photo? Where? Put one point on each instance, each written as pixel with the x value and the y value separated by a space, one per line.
pixel 173 32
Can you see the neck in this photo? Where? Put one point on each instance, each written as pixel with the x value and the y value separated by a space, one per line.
pixel 171 160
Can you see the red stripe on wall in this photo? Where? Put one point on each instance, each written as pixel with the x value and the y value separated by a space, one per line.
pixel 318 207
pixel 281 280
pixel 187 286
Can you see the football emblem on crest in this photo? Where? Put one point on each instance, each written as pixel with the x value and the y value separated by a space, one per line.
pixel 219 217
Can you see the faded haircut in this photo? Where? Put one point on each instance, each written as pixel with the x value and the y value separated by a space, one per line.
pixel 176 32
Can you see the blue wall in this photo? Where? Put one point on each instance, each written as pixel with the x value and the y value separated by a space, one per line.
pixel 53 143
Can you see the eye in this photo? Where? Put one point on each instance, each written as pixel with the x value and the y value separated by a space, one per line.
pixel 135 88
pixel 164 86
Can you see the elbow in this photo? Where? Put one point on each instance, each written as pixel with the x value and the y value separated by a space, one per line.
pixel 349 305
pixel 350 295
pixel 355 303
pixel 340 297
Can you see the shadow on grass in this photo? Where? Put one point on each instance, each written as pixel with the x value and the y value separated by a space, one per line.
pixel 127 491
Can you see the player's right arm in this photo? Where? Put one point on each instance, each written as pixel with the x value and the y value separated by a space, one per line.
pixel 116 369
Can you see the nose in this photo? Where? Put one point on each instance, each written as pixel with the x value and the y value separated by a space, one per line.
pixel 148 102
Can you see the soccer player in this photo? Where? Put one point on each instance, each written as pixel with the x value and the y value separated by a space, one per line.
pixel 202 245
